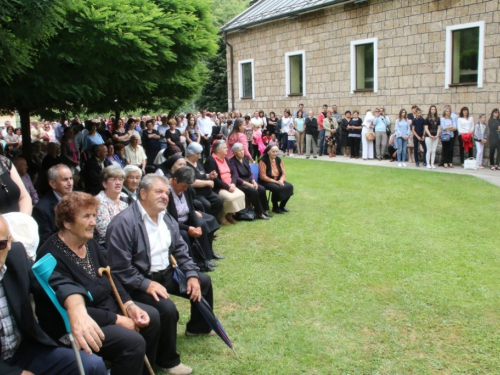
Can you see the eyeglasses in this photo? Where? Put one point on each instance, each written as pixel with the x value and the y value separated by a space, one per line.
pixel 3 243
pixel 115 179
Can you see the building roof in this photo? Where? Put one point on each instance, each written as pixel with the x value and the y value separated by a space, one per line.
pixel 271 10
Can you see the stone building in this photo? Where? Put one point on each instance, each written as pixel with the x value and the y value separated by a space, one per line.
pixel 359 54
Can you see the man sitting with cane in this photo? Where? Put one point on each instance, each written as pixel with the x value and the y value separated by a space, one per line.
pixel 140 240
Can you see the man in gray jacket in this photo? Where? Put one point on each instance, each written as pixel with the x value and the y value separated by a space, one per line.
pixel 140 241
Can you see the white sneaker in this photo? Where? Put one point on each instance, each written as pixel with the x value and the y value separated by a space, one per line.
pixel 433 166
pixel 400 165
pixel 429 166
pixel 404 164
pixel 292 155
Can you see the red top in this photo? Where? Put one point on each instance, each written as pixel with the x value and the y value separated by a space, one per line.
pixel 224 170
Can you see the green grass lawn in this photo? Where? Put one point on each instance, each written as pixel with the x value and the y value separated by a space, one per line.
pixel 374 271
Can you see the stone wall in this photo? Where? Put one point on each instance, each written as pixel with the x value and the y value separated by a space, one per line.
pixel 411 56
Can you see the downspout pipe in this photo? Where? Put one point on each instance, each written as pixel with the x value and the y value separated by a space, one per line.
pixel 231 58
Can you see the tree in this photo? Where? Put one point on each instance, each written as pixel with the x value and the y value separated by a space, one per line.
pixel 117 55
pixel 214 92
pixel 25 25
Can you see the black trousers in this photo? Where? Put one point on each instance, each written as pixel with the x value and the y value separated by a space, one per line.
pixel 462 149
pixel 212 203
pixel 167 355
pixel 203 240
pixel 447 151
pixel 280 194
pixel 257 197
pixel 206 146
pixel 494 146
pixel 415 149
pixel 125 348
pixel 353 143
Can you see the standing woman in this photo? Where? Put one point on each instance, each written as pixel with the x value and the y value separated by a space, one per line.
pixel 192 132
pixel 481 132
pixel 151 141
pixel 286 124
pixel 465 126
pixel 272 121
pixel 331 126
pixel 272 177
pixel 69 152
pixel 432 132
pixel 91 139
pixel 237 135
pixel 403 132
pixel 447 129
pixel 367 129
pixel 173 135
pixel 120 135
pixel 300 136
pixel 494 128
pixel 354 128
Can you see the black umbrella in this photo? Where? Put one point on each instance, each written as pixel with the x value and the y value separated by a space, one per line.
pixel 203 306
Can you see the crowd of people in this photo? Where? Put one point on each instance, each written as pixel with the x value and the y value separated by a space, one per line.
pixel 138 193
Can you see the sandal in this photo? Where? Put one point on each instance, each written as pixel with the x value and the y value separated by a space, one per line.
pixel 494 168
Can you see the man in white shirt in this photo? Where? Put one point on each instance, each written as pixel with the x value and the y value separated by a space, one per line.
pixel 135 155
pixel 140 242
pixel 204 124
pixel 256 121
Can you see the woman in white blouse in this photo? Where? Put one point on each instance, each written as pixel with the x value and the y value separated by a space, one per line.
pixel 367 129
pixel 465 127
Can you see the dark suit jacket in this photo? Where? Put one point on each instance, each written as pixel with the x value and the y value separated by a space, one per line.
pixel 129 251
pixel 91 173
pixel 211 165
pixel 241 170
pixel 44 215
pixel 18 282
pixel 193 220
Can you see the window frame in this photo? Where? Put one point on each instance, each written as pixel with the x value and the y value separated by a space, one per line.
pixel 287 72
pixel 240 79
pixel 448 79
pixel 355 43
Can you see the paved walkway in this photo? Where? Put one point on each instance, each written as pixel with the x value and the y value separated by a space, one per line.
pixel 486 174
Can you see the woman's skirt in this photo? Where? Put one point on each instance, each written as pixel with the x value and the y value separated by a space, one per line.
pixel 233 202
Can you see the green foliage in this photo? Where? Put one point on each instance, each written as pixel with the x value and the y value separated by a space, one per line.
pixel 225 10
pixel 119 55
pixel 374 271
pixel 25 26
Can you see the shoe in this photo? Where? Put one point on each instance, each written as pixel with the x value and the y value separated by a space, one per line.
pixel 320 154
pixel 315 156
pixel 211 333
pixel 330 156
pixel 404 164
pixel 429 167
pixel 425 164
pixel 284 209
pixel 212 264
pixel 292 155
pixel 263 217
pixel 307 157
pixel 180 369
pixel 400 165
pixel 433 166
pixel 218 256
pixel 417 165
pixel 277 211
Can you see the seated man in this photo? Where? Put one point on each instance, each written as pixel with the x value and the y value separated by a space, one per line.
pixel 192 228
pixel 26 349
pixel 140 240
pixel 22 168
pixel 61 183
pixel 93 168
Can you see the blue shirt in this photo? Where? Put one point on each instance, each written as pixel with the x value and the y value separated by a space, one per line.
pixel 402 128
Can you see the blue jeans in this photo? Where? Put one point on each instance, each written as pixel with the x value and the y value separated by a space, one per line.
pixel 402 143
pixel 321 144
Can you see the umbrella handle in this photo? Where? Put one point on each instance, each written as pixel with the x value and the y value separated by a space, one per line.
pixel 173 261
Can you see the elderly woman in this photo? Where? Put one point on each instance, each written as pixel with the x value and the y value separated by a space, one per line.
pixel 225 183
pixel 110 204
pixel 245 181
pixel 151 141
pixel 272 177
pixel 171 164
pixel 112 158
pixel 133 177
pixel 79 259
pixel 120 153
pixel 120 134
pixel 237 135
pixel 203 184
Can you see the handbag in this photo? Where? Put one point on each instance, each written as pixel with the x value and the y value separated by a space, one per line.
pixel 470 163
pixel 445 137
pixel 246 214
pixel 370 136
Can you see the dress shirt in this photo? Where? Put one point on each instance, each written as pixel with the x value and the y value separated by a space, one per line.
pixel 135 157
pixel 205 126
pixel 159 240
pixel 10 336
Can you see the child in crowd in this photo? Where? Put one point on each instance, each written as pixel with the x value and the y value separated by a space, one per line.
pixel 266 138
pixel 481 133
pixel 273 141
pixel 291 141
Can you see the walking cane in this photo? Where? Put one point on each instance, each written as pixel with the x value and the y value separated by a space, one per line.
pixel 107 271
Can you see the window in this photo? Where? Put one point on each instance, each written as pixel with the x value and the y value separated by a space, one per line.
pixel 246 78
pixel 464 54
pixel 364 65
pixel 295 68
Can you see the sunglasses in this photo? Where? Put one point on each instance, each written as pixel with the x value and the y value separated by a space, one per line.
pixel 3 243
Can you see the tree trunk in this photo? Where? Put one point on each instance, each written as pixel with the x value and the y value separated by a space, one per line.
pixel 24 114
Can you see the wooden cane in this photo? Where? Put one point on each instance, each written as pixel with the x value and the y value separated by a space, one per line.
pixel 107 271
